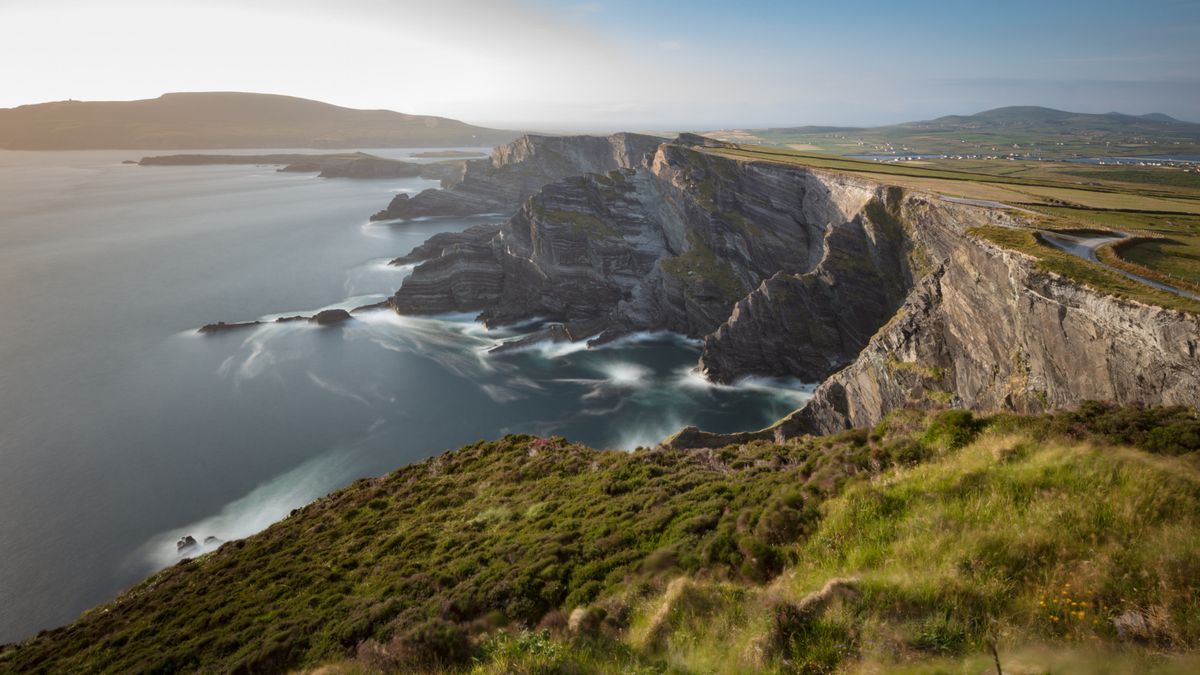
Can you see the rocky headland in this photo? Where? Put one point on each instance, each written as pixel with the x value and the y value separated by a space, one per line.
pixel 516 171
pixel 889 298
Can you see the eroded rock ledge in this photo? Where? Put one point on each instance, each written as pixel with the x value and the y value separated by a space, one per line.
pixel 692 243
pixel 516 171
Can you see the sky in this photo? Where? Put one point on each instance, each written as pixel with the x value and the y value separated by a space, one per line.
pixel 618 64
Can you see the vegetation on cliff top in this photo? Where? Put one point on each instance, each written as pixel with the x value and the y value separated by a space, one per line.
pixel 1059 262
pixel 1059 539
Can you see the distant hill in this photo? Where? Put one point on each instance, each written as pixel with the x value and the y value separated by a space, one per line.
pixel 227 120
pixel 1049 120
pixel 1022 130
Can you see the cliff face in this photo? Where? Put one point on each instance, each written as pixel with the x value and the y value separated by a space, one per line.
pixel 517 170
pixel 785 271
pixel 673 246
pixel 808 325
pixel 988 331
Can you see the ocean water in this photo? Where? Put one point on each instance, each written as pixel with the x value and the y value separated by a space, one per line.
pixel 121 429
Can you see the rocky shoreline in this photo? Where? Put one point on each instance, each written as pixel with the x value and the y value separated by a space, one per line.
pixel 884 296
pixel 325 317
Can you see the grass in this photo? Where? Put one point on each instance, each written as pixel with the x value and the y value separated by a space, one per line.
pixel 700 264
pixel 1143 176
pixel 1044 142
pixel 909 546
pixel 1166 245
pixel 1050 259
pixel 1155 258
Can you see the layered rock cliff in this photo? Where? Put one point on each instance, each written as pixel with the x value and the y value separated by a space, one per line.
pixel 517 170
pixel 671 246
pixel 989 331
pixel 887 297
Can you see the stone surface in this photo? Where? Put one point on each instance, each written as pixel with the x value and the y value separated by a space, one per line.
pixel 438 243
pixel 672 246
pixel 331 317
pixel 519 169
pixel 222 327
pixel 789 271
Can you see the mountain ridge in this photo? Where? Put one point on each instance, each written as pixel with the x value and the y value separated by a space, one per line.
pixel 1028 113
pixel 211 120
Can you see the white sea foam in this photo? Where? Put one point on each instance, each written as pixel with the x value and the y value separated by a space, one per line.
pixel 791 390
pixel 254 512
pixel 336 389
pixel 648 434
pixel 625 373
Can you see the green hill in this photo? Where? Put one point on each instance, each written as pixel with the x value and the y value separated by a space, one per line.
pixel 227 120
pixel 1067 542
pixel 1019 130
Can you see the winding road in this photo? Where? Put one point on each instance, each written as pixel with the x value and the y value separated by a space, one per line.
pixel 1079 245
pixel 1085 247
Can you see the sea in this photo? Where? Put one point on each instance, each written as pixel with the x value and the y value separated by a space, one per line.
pixel 122 429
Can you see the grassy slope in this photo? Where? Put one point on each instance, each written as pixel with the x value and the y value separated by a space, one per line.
pixel 702 561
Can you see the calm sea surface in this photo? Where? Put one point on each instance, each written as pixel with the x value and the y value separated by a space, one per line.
pixel 121 429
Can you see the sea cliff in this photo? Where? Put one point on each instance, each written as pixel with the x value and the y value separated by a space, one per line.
pixel 890 298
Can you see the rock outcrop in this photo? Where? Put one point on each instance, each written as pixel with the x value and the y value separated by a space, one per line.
pixel 516 171
pixel 439 243
pixel 331 317
pixel 989 331
pixel 809 325
pixel 671 246
pixel 325 317
pixel 887 297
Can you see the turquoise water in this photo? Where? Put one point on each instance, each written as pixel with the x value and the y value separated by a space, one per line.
pixel 121 429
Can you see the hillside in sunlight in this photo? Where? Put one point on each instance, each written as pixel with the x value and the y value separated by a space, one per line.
pixel 1068 542
pixel 227 120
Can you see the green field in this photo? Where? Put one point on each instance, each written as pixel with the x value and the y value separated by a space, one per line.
pixel 1021 131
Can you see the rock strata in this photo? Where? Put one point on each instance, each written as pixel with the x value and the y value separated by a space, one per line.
pixel 886 296
pixel 516 171
pixel 674 245
pixel 439 243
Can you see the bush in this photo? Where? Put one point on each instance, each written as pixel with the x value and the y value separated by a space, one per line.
pixel 433 644
pixel 953 429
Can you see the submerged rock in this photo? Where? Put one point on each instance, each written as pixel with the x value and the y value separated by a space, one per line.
pixel 552 333
pixel 222 327
pixel 330 317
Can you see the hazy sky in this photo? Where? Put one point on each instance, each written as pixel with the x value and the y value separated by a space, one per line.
pixel 618 63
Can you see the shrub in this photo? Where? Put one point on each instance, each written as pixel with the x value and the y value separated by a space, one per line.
pixel 953 429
